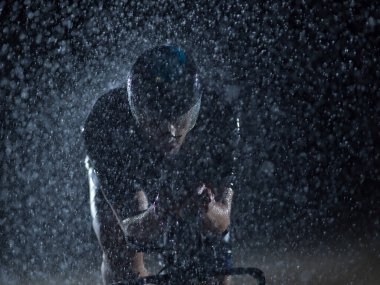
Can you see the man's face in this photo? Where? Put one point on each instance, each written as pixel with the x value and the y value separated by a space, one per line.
pixel 168 136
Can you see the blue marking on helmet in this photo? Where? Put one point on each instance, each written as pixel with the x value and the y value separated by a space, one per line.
pixel 168 71
pixel 180 53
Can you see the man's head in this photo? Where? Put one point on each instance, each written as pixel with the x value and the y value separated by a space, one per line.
pixel 164 95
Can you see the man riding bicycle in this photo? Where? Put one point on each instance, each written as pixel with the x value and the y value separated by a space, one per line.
pixel 147 159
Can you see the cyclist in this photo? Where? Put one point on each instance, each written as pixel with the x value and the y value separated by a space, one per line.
pixel 147 158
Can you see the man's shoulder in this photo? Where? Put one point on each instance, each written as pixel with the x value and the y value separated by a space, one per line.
pixel 109 119
pixel 113 100
pixel 217 114
pixel 110 107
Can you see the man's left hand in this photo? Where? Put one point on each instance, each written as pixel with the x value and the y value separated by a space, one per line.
pixel 216 214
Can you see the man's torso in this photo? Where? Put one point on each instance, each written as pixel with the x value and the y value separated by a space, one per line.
pixel 126 162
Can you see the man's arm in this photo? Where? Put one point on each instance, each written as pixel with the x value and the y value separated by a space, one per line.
pixel 110 191
pixel 120 261
pixel 220 171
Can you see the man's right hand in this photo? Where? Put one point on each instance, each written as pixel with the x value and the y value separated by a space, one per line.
pixel 215 214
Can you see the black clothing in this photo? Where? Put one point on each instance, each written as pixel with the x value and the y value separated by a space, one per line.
pixel 125 162
pixel 122 162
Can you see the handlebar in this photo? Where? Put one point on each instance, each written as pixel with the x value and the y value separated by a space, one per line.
pixel 182 275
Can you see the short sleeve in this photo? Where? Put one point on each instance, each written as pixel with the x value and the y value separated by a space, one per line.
pixel 108 137
pixel 108 128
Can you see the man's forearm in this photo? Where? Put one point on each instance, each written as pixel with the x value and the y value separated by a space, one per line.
pixel 141 228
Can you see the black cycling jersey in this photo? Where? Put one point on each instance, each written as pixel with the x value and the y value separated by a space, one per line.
pixel 126 162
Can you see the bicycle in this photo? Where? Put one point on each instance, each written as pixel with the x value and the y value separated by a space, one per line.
pixel 184 265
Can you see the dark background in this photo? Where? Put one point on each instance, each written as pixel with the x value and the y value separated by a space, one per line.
pixel 303 74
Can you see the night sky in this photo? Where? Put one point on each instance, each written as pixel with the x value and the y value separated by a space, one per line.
pixel 303 75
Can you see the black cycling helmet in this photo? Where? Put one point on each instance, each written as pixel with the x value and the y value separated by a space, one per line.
pixel 163 84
